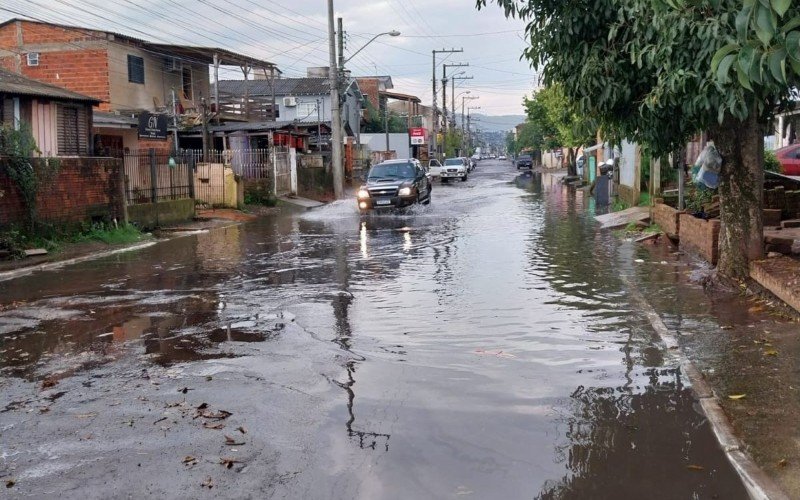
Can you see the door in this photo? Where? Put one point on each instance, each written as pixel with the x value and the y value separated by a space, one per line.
pixel 435 168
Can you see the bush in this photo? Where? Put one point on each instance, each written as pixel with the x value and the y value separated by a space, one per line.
pixel 771 163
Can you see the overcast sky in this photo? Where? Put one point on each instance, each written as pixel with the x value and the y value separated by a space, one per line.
pixel 293 34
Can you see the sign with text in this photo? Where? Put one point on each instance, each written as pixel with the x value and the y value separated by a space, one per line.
pixel 152 126
pixel 417 135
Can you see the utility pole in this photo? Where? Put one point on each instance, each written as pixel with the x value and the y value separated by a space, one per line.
pixel 436 111
pixel 444 87
pixel 336 120
pixel 453 97
pixel 175 119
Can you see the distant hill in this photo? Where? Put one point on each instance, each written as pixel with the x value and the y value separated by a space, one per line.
pixel 496 123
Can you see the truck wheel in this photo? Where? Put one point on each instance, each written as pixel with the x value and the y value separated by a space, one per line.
pixel 464 179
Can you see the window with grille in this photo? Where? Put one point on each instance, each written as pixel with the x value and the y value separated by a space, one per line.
pixel 135 69
pixel 307 110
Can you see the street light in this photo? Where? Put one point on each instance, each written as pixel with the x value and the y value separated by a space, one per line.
pixel 464 99
pixel 469 132
pixel 390 33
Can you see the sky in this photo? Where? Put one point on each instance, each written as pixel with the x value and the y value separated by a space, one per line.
pixel 293 34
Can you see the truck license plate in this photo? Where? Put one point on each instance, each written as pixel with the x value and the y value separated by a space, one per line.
pixel 383 202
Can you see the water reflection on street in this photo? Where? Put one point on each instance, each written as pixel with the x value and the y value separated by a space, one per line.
pixel 486 344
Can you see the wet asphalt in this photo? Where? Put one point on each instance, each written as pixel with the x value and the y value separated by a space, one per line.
pixel 480 347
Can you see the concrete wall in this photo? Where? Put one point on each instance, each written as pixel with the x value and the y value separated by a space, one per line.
pixel 158 83
pixel 700 236
pixel 84 189
pixel 397 142
pixel 153 215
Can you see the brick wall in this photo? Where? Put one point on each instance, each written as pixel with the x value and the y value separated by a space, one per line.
pixel 85 189
pixel 63 60
pixel 369 87
pixel 700 236
pixel 667 218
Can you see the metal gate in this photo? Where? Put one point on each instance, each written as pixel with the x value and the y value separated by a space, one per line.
pixel 283 172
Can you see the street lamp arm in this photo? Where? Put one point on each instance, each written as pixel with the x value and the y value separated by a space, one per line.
pixel 390 33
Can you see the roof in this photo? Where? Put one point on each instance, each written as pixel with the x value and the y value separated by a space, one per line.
pixel 401 97
pixel 283 87
pixel 113 120
pixel 257 126
pixel 14 83
pixel 194 53
pixel 385 79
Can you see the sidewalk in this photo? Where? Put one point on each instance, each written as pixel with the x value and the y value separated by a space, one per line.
pixel 744 346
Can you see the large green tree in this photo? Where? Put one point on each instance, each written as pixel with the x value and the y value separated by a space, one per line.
pixel 643 68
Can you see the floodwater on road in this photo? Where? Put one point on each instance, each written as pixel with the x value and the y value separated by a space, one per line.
pixel 480 347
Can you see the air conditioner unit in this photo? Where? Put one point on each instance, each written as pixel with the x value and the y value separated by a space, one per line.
pixel 290 102
pixel 172 64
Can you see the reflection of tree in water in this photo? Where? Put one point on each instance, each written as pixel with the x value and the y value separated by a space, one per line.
pixel 626 445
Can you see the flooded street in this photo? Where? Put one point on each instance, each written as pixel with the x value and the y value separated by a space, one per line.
pixel 483 346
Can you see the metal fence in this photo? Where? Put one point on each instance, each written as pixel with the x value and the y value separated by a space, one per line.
pixel 152 176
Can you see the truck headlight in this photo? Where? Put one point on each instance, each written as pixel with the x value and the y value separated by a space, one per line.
pixel 362 194
pixel 406 191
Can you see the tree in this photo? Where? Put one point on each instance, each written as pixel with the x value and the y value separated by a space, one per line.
pixel 511 143
pixel 646 75
pixel 562 125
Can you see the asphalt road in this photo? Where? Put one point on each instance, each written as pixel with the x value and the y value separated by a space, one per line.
pixel 480 347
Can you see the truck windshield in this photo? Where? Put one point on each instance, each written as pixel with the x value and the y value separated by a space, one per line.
pixel 392 171
pixel 454 161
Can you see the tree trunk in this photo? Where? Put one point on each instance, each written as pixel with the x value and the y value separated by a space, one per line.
pixel 572 169
pixel 741 193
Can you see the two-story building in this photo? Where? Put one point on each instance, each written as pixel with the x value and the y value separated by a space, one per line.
pixel 134 80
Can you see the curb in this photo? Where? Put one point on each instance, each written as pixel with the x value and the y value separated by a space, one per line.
pixel 48 266
pixel 757 483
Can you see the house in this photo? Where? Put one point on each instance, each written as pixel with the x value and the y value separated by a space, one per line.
pixel 142 87
pixel 60 120
pixel 305 101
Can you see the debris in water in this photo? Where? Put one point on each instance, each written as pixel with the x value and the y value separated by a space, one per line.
pixel 783 462
pixel 185 390
pixel 10 483
pixel 49 382
pixel 736 396
pixel 695 467
pixel 208 483
pixel 232 442
pixel 213 426
pixel 228 462
pixel 241 429
pixel 189 460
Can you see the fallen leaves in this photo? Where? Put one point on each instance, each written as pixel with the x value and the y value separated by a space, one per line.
pixel 783 462
pixel 771 352
pixel 229 462
pixel 220 415
pixel 736 397
pixel 189 460
pixel 216 427
pixel 184 390
pixel 695 467
pixel 49 382
pixel 232 442
pixel 241 429
pixel 208 483
pixel 10 483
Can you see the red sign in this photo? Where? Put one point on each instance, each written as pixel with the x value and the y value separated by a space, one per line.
pixel 417 135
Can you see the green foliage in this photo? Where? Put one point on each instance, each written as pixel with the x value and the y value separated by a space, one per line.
pixel 697 198
pixel 374 121
pixel 771 163
pixel 259 197
pixel 54 239
pixel 30 175
pixel 511 144
pixel 642 68
pixel 619 205
pixel 452 143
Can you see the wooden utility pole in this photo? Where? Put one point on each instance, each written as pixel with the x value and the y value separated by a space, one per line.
pixel 435 110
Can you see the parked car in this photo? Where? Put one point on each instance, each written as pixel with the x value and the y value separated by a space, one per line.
pixel 789 158
pixel 524 161
pixel 394 184
pixel 455 168
pixel 501 157
pixel 434 168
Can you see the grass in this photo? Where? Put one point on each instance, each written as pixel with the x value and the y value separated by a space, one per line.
pixel 54 241
pixel 644 200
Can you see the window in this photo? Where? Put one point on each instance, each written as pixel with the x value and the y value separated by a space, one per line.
pixel 73 135
pixel 135 69
pixel 33 58
pixel 186 82
pixel 307 110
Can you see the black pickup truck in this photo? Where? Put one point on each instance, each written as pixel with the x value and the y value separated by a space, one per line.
pixel 394 184
pixel 524 161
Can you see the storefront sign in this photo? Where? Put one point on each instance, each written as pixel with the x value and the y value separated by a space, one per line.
pixel 417 135
pixel 152 126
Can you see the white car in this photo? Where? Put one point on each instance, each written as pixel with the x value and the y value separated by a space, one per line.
pixel 501 157
pixel 434 168
pixel 455 168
